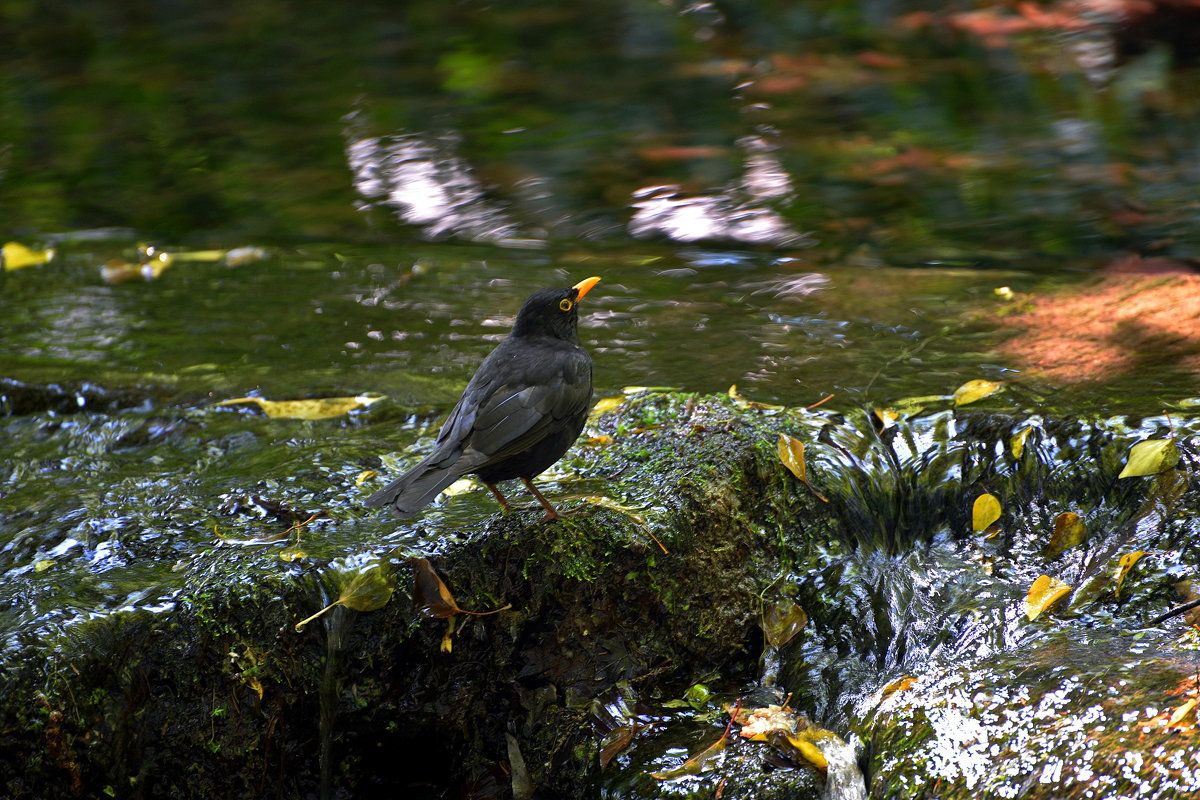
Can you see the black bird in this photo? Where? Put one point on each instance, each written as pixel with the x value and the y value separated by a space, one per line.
pixel 520 413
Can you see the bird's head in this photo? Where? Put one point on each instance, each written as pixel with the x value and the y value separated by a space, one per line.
pixel 553 312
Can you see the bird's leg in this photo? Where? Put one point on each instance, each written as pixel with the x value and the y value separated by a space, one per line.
pixel 551 513
pixel 505 508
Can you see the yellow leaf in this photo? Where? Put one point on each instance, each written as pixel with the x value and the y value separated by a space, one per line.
pixel 364 476
pixel 255 684
pixel 791 453
pixel 754 405
pixel 15 255
pixel 368 589
pixel 447 645
pixel 1184 715
pixel 607 404
pixel 1004 292
pixel 1150 458
pixel 317 408
pixel 984 512
pixel 1017 443
pixel 461 486
pixel 598 441
pixel 1069 531
pixel 1125 564
pixel 292 554
pixel 898 685
pixel 800 745
pixel 42 565
pixel 1043 594
pixel 974 390
pixel 782 621
pixel 886 417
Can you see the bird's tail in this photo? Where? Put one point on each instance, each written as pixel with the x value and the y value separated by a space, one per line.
pixel 413 490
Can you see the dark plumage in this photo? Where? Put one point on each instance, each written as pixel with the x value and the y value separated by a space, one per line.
pixel 520 413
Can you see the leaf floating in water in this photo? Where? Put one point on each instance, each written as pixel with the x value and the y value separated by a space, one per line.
pixel 974 390
pixel 1043 594
pixel 1150 458
pixel 369 589
pixel 433 598
pixel 1069 531
pixel 759 723
pixel 364 476
pixel 1125 564
pixel 1017 443
pixel 782 621
pixel 15 255
pixel 791 453
pixel 984 512
pixel 754 405
pixel 43 564
pixel 317 408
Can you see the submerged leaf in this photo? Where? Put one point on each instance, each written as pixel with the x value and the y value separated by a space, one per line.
pixel 1150 457
pixel 974 390
pixel 782 621
pixel 984 512
pixel 1043 594
pixel 364 476
pixel 899 685
pixel 696 764
pixel 614 743
pixel 1125 564
pixel 1017 443
pixel 316 408
pixel 1069 531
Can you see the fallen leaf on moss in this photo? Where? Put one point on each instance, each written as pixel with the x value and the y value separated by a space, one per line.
pixel 754 405
pixel 316 408
pixel 433 598
pixel 791 453
pixel 1043 594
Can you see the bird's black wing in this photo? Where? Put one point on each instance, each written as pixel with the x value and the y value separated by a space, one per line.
pixel 517 414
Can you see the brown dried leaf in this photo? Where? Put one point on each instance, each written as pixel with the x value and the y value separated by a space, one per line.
pixel 1069 531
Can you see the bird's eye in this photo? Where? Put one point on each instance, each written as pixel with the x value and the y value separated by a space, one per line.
pixel 565 304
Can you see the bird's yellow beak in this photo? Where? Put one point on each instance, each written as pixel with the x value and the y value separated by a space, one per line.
pixel 584 286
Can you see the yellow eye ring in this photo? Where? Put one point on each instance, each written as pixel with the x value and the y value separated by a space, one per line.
pixel 565 304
